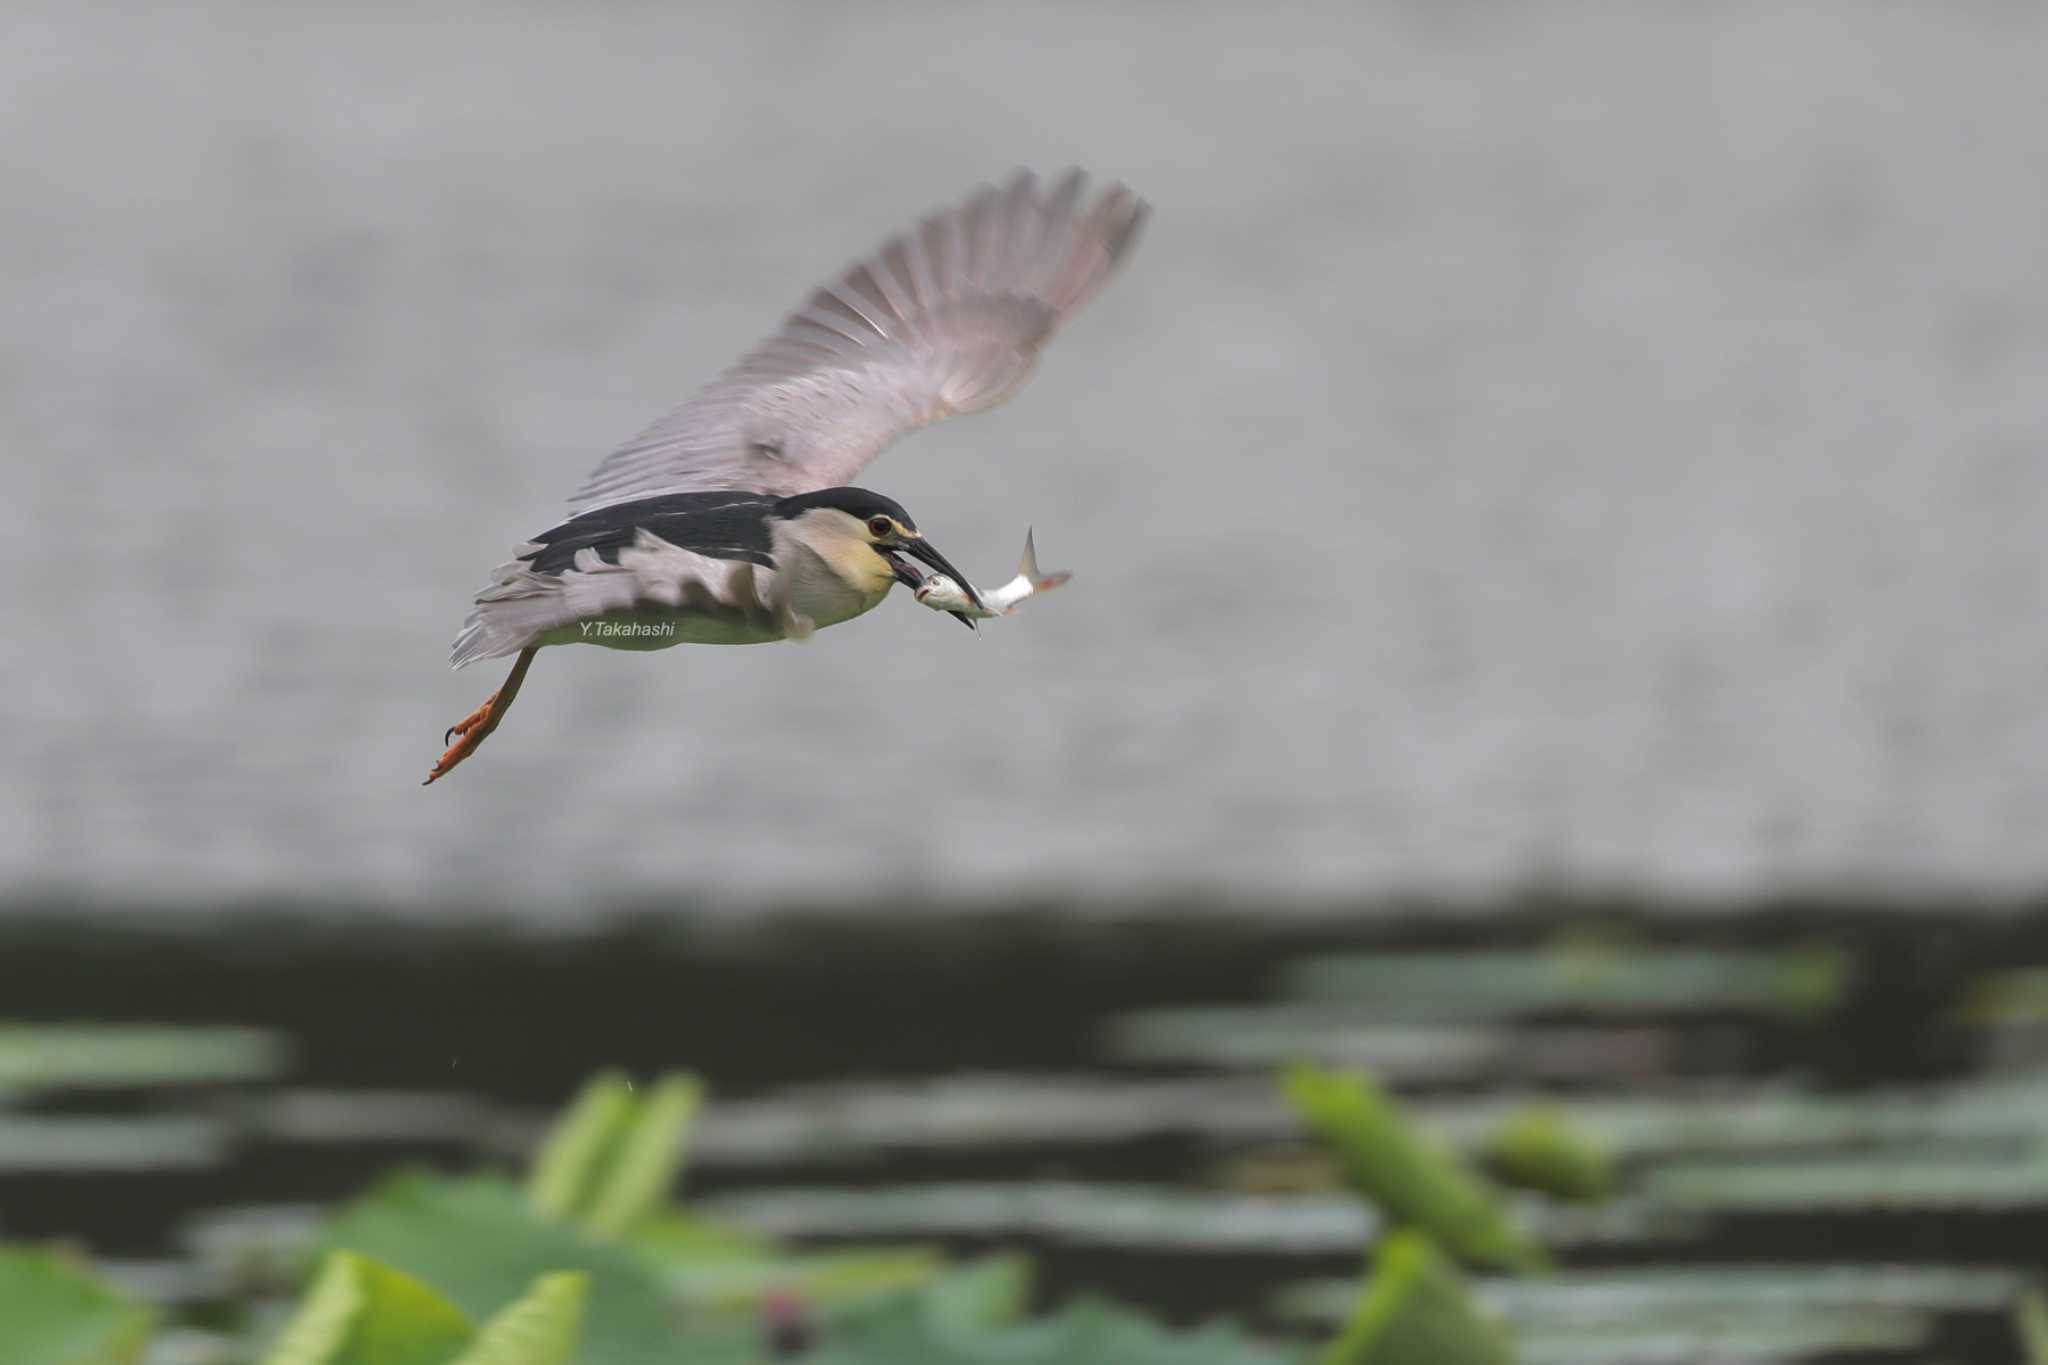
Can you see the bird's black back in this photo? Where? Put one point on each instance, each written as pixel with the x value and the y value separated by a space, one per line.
pixel 719 525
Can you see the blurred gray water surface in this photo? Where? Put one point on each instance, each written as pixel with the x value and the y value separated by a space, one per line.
pixel 1598 446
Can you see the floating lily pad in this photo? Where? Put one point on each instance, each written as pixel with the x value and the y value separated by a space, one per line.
pixel 478 1241
pixel 1725 1119
pixel 55 1312
pixel 142 1143
pixel 1626 1295
pixel 971 1319
pixel 1581 977
pixel 1157 1218
pixel 1149 1216
pixel 851 1121
pixel 57 1056
pixel 1734 1313
pixel 720 1267
pixel 823 1281
pixel 1736 1338
pixel 1913 1181
pixel 1344 1036
pixel 364 1116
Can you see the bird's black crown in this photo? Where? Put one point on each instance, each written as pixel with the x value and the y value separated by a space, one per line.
pixel 855 502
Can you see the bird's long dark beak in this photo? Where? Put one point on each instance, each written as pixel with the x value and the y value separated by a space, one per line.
pixel 924 550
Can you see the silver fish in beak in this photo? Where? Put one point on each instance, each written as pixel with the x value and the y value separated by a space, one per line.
pixel 948 592
pixel 912 579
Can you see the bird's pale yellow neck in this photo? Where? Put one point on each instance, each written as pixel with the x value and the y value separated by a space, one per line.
pixel 836 539
pixel 826 569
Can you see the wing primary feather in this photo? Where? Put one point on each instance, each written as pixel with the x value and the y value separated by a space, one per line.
pixel 980 227
pixel 839 303
pixel 947 316
pixel 930 243
pixel 890 268
pixel 987 234
pixel 1057 222
pixel 821 331
pixel 1021 238
pixel 959 250
pixel 862 288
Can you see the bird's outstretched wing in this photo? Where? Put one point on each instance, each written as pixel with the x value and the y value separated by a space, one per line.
pixel 945 318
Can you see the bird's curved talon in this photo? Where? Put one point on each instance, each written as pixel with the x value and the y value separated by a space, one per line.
pixel 474 728
pixel 469 732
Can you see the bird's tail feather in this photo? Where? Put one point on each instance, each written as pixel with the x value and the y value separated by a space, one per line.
pixel 520 605
pixel 508 621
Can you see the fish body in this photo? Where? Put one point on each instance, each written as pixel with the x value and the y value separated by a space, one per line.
pixel 941 593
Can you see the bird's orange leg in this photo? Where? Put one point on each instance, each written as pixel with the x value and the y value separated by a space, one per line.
pixel 471 731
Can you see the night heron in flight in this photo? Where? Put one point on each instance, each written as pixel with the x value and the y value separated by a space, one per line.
pixel 730 521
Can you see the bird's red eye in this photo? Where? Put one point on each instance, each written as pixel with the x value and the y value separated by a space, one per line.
pixel 879 527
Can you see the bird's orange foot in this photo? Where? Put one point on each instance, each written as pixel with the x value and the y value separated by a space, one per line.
pixel 468 733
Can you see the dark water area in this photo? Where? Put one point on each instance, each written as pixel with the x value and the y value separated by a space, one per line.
pixel 522 1016
pixel 499 1027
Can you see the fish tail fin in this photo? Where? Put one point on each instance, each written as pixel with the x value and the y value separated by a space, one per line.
pixel 1028 567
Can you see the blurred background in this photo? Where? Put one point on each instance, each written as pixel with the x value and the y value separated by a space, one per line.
pixel 1545 473
pixel 1593 451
